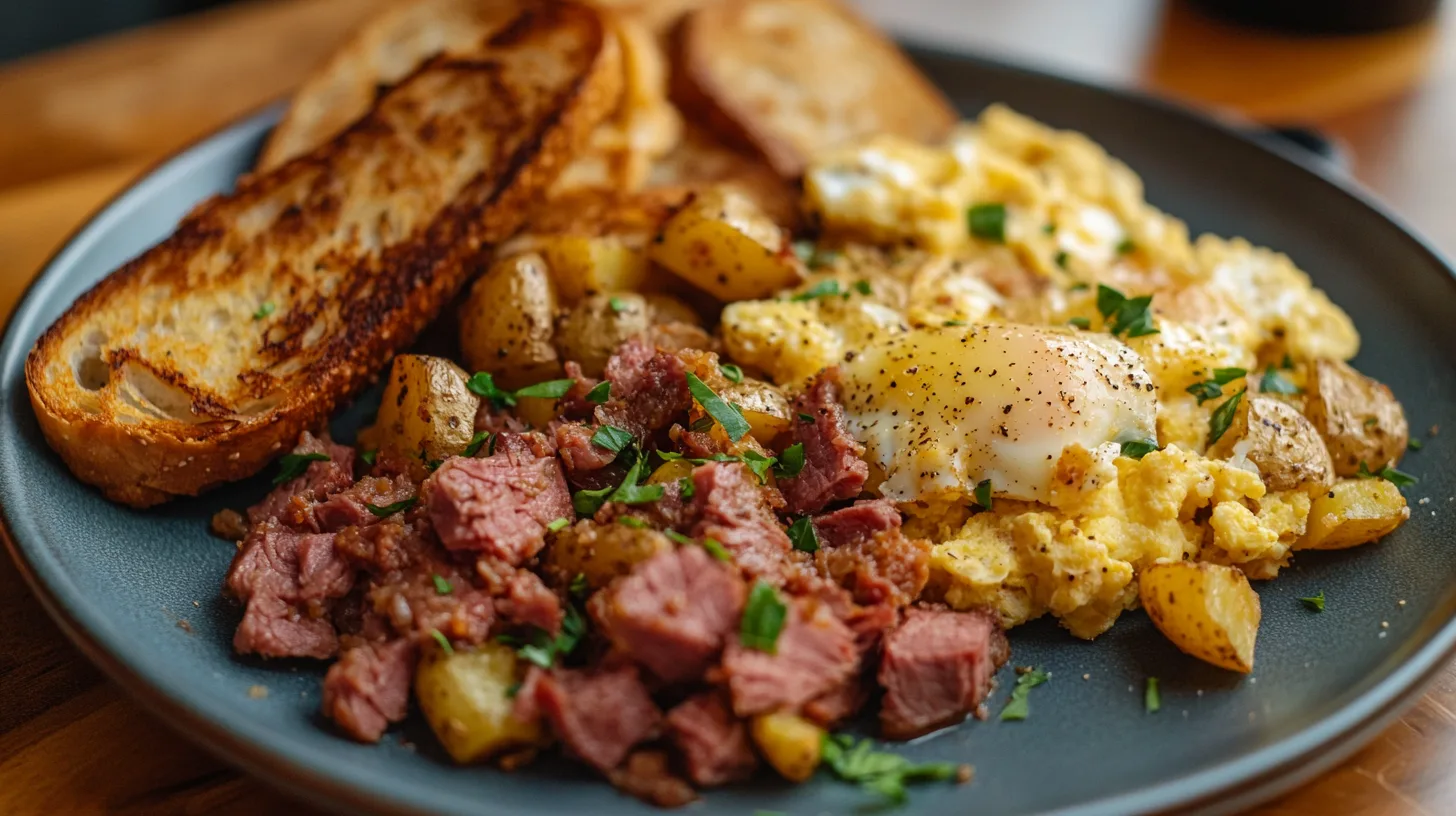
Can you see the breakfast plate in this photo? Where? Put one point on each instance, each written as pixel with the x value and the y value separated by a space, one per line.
pixel 138 590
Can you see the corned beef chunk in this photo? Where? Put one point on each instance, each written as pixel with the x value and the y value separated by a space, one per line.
pixel 714 743
pixel 833 469
pixel 369 688
pixel 527 601
pixel 673 612
pixel 840 703
pixel 574 404
pixel 350 507
pixel 414 606
pixel 587 464
pixel 499 505
pixel 649 389
pixel 290 501
pixel 937 667
pixel 863 549
pixel 648 776
pixel 815 653
pixel 286 578
pixel 600 715
pixel 731 508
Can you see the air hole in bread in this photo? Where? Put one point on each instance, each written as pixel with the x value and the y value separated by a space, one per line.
pixel 90 369
pixel 143 390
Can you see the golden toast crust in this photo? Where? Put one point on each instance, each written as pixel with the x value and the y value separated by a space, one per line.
pixel 199 361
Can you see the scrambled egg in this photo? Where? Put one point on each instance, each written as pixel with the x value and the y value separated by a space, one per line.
pixel 1037 239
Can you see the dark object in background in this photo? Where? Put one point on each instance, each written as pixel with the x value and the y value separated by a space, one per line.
pixel 1322 16
pixel 27 26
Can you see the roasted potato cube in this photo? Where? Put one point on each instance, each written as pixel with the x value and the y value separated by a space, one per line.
pixel 506 323
pixel 465 697
pixel 765 407
pixel 601 552
pixel 790 743
pixel 671 472
pixel 582 266
pixel 592 330
pixel 427 412
pixel 1358 417
pixel 1207 610
pixel 1280 442
pixel 721 243
pixel 1353 512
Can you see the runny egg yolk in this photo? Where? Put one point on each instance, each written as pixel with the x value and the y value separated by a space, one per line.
pixel 941 409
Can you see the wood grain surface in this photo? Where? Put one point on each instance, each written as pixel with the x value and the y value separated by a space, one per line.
pixel 82 122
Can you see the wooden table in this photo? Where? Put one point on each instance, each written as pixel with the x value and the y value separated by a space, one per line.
pixel 80 123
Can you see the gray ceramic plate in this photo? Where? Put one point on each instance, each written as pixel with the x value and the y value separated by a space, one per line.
pixel 120 581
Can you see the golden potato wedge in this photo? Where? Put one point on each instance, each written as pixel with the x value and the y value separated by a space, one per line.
pixel 1207 610
pixel 1280 441
pixel 1358 417
pixel 465 696
pixel 1353 512
pixel 583 265
pixel 601 552
pixel 506 322
pixel 594 327
pixel 671 471
pixel 427 413
pixel 765 407
pixel 790 743
pixel 723 244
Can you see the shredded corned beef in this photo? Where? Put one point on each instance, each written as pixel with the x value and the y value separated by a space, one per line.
pixel 649 389
pixel 815 654
pixel 501 504
pixel 369 687
pixel 731 508
pixel 937 667
pixel 289 502
pixel 863 549
pixel 600 715
pixel 714 742
pixel 833 470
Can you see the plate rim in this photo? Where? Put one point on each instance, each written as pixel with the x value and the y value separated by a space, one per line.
pixel 1235 784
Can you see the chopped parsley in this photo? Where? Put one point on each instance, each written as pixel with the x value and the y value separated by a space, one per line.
pixel 1079 286
pixel 807 419
pixel 443 641
pixel 477 442
pixel 557 525
pixel 632 521
pixel 1397 477
pixel 543 650
pixel 791 461
pixel 1080 322
pixel 863 287
pixel 442 587
pixel 390 509
pixel 758 463
pixel 292 465
pixel 726 415
pixel 612 438
pixel 952 323
pixel 763 618
pixel 1019 706
pixel 618 305
pixel 600 392
pixel 1223 416
pixel 732 372
pixel 987 222
pixel 983 494
pixel 1315 602
pixel 803 536
pixel 1287 364
pixel 1048 228
pixel 265 309
pixel 878 772
pixel 679 537
pixel 1138 448
pixel 829 287
pixel 1152 698
pixel 370 455
pixel 1275 383
pixel 1224 376
pixel 717 550
pixel 812 256
pixel 1415 444
pixel 588 502
pixel 803 250
pixel 685 487
pixel 1126 246
pixel 482 384
pixel 702 425
pixel 1213 388
pixel 1060 259
pixel 1125 315
pixel 579 585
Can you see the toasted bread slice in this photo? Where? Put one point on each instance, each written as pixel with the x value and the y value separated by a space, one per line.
pixel 205 357
pixel 789 78
pixel 384 50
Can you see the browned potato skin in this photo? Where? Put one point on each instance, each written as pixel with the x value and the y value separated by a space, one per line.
pixel 592 330
pixel 426 413
pixel 1353 512
pixel 1207 610
pixel 507 322
pixel 1283 444
pixel 1359 418
pixel 600 552
pixel 764 406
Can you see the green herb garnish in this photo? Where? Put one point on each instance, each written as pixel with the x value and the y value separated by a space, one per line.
pixel 726 415
pixel 1019 706
pixel 1126 246
pixel 807 419
pixel 988 222
pixel 292 465
pixel 1415 444
pixel 1138 448
pixel 391 509
pixel 878 772
pixel 1152 699
pixel 685 487
pixel 543 650
pixel 612 438
pixel 1125 315
pixel 1213 388
pixel 763 618
pixel 1060 259
pixel 482 384
pixel 803 535
pixel 1397 477
pixel 600 392
pixel 558 525
pixel 1080 322
pixel 1223 416
pixel 579 585
pixel 588 502
pixel 983 494
pixel 1275 383
pixel 758 463
pixel 369 456
pixel 863 287
pixel 551 389
pixel 1314 603
pixel 633 522
pixel 732 372
pixel 442 587
pixel 953 323
pixel 829 287
pixel 717 550
pixel 791 461
pixel 443 641
pixel 476 443
pixel 617 304
pixel 265 309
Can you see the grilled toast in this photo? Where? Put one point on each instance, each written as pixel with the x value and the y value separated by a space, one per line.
pixel 202 359
pixel 788 78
